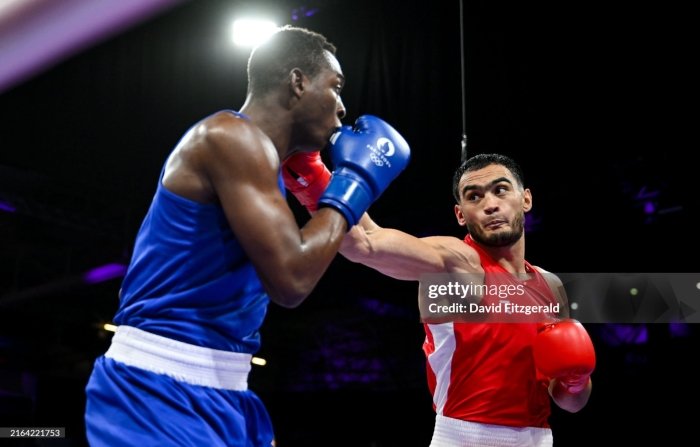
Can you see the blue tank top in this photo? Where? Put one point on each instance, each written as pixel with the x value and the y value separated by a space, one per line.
pixel 189 278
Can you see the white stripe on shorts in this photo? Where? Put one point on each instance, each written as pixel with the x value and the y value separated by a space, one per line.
pixel 183 362
pixel 450 432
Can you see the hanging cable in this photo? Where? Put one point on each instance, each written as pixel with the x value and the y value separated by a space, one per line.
pixel 464 101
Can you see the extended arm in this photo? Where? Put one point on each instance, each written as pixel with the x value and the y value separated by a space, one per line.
pixel 403 256
pixel 391 252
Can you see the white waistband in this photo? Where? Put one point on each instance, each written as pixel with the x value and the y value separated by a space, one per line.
pixel 181 361
pixel 450 432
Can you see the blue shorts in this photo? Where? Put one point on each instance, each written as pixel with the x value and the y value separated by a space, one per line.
pixel 128 407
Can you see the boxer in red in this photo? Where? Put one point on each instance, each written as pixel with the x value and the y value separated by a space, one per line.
pixel 492 381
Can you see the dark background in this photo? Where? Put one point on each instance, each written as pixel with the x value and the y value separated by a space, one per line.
pixel 586 96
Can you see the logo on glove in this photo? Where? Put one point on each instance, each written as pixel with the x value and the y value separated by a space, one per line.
pixel 385 148
pixel 385 145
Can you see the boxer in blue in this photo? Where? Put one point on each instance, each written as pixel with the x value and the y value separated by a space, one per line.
pixel 219 242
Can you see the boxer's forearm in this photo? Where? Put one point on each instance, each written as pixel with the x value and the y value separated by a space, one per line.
pixel 393 252
pixel 571 402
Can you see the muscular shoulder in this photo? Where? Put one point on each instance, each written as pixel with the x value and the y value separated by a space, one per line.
pixel 557 287
pixel 552 279
pixel 225 133
pixel 219 147
pixel 234 147
pixel 457 256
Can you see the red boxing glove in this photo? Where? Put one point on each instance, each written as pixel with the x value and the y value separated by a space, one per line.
pixel 564 350
pixel 306 177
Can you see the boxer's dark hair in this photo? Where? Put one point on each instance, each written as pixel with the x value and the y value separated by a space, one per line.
pixel 481 161
pixel 289 47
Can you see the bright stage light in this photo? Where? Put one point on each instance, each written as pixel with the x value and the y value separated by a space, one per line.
pixel 252 32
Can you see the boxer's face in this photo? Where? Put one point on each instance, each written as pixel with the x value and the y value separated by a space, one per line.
pixel 321 106
pixel 492 206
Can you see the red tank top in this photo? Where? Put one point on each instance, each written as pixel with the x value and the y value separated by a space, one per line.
pixel 485 372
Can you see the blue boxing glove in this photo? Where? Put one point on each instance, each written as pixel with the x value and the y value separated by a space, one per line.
pixel 367 158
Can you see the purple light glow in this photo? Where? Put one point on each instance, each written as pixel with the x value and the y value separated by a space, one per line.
pixel 644 193
pixel 297 12
pixel 625 334
pixel 104 273
pixel 532 222
pixel 7 207
pixel 679 330
pixel 649 208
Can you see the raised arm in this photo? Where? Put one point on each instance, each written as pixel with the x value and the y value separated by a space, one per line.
pixel 242 166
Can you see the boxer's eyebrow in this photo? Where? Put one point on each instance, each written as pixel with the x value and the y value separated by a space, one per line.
pixel 471 187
